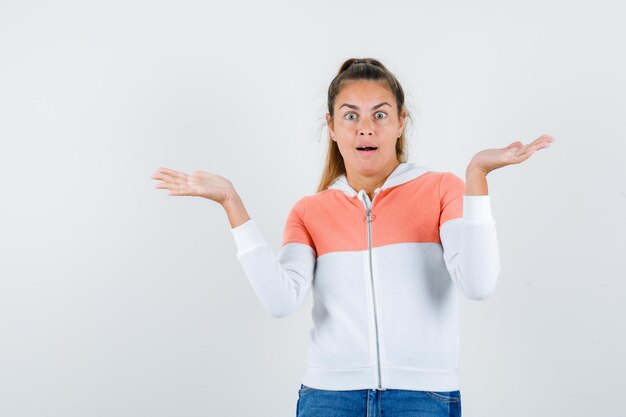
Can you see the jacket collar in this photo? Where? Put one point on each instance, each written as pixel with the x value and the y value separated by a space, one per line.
pixel 404 172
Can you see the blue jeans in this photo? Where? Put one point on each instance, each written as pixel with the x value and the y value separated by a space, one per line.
pixel 313 402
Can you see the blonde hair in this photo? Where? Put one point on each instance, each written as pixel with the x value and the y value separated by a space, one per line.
pixel 359 69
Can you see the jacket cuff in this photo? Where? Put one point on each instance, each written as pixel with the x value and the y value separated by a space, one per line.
pixel 477 208
pixel 247 235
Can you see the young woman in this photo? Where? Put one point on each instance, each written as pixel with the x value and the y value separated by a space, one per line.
pixel 385 245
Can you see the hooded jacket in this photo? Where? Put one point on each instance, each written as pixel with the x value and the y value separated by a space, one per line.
pixel 385 276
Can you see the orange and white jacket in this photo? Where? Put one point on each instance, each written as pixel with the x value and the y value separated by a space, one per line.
pixel 385 276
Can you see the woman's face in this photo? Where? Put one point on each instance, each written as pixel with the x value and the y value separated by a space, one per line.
pixel 366 114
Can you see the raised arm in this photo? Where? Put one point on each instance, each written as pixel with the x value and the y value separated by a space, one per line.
pixel 468 236
pixel 280 282
pixel 204 184
pixel 467 228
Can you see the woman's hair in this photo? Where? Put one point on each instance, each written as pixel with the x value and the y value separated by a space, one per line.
pixel 359 69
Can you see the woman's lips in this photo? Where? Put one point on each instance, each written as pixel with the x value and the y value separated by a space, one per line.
pixel 366 152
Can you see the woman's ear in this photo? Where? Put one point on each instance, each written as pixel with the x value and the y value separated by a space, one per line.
pixel 403 115
pixel 329 122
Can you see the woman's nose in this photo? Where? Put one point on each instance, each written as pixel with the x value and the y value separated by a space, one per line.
pixel 365 127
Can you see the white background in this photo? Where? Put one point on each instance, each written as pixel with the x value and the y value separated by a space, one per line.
pixel 119 300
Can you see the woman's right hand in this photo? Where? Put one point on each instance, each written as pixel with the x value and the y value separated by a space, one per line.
pixel 198 184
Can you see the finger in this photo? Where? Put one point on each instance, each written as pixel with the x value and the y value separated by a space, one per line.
pixel 180 192
pixel 172 173
pixel 538 144
pixel 168 178
pixel 544 141
pixel 515 144
pixel 547 138
pixel 174 184
pixel 522 157
pixel 159 174
pixel 178 189
pixel 165 185
pixel 523 153
pixel 521 150
pixel 541 145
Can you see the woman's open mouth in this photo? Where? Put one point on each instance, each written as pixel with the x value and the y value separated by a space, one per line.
pixel 366 150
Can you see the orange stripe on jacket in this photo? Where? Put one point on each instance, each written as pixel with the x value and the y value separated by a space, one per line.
pixel 330 221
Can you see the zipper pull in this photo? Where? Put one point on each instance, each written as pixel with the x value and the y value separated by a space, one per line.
pixel 369 216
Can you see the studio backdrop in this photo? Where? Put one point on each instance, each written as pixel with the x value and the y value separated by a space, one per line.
pixel 119 300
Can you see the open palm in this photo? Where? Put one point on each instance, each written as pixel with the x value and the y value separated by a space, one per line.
pixel 490 159
pixel 199 184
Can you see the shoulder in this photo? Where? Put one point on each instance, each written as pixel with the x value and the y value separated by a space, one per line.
pixel 301 204
pixel 316 198
pixel 448 180
pixel 441 182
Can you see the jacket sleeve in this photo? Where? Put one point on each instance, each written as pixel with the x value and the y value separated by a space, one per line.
pixel 468 235
pixel 280 282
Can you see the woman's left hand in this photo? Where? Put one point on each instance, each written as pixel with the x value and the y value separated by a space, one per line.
pixel 490 159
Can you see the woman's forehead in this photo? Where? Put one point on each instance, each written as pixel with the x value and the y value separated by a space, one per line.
pixel 364 91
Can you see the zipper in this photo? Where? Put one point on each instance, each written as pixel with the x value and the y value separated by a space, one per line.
pixel 368 218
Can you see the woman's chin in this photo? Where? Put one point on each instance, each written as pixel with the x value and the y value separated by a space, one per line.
pixel 368 167
pixel 372 167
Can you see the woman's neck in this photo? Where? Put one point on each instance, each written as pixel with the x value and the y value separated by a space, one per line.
pixel 369 183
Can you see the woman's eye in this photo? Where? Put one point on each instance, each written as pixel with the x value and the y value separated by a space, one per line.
pixel 381 113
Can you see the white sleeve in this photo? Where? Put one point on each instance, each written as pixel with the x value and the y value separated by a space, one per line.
pixel 280 282
pixel 470 248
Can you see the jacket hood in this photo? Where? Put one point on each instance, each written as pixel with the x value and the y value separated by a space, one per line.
pixel 404 172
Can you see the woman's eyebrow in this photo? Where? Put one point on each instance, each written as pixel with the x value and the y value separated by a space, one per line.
pixel 352 106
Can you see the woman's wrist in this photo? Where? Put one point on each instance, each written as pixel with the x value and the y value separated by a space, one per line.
pixel 475 181
pixel 235 210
